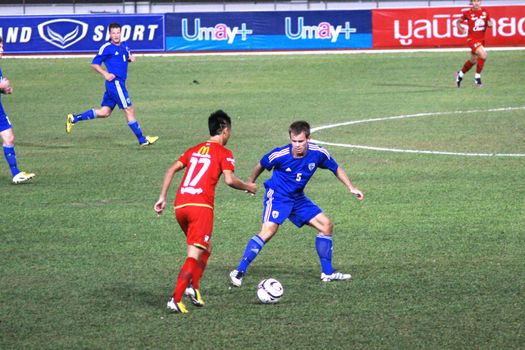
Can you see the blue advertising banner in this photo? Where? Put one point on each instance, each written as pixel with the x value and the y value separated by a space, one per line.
pixel 287 30
pixel 76 34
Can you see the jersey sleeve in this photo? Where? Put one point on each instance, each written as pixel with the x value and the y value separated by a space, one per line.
pixel 184 157
pixel 464 16
pixel 327 162
pixel 268 162
pixel 101 55
pixel 488 18
pixel 227 161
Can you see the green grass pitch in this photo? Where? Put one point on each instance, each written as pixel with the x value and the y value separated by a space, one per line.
pixel 436 249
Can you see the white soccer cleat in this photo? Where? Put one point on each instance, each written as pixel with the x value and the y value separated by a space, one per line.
pixel 335 276
pixel 22 177
pixel 236 277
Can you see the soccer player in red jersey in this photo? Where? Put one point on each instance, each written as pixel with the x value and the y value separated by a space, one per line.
pixel 478 20
pixel 194 202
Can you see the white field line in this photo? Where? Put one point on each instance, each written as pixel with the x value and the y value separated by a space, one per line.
pixel 429 114
pixel 265 53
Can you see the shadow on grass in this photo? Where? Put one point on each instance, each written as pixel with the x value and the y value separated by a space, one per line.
pixel 130 296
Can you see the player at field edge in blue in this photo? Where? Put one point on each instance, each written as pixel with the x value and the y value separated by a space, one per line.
pixel 115 54
pixel 293 165
pixel 6 131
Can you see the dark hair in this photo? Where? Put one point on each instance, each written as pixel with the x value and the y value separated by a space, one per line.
pixel 1 40
pixel 217 121
pixel 298 127
pixel 114 25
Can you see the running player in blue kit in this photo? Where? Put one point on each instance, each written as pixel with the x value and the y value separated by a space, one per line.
pixel 6 132
pixel 293 165
pixel 115 54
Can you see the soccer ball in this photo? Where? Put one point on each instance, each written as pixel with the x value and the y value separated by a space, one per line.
pixel 270 291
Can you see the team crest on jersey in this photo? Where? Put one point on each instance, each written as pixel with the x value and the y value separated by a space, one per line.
pixel 311 166
pixel 275 214
pixel 62 32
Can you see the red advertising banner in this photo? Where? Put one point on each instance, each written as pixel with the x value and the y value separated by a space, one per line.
pixel 434 27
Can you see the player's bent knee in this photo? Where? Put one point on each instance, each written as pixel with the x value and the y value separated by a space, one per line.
pixel 8 139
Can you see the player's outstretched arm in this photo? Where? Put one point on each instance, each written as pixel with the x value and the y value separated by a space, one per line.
pixel 168 177
pixel 233 181
pixel 341 175
pixel 256 171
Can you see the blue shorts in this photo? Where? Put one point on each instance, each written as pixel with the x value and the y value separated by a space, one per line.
pixel 116 94
pixel 278 208
pixel 4 122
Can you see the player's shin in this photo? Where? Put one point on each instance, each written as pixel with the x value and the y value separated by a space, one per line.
pixel 467 66
pixel 480 65
pixel 10 156
pixel 323 245
pixel 253 248
pixel 135 127
pixel 184 278
pixel 87 115
pixel 199 269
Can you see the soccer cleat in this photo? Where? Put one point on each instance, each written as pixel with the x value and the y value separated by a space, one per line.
pixel 69 123
pixel 458 79
pixel 236 277
pixel 22 177
pixel 150 140
pixel 195 296
pixel 177 307
pixel 335 276
pixel 478 82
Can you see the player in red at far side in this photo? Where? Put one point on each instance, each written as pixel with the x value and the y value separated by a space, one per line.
pixel 478 20
pixel 194 203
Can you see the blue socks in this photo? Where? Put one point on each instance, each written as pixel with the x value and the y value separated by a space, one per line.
pixel 323 244
pixel 10 156
pixel 87 115
pixel 254 246
pixel 135 127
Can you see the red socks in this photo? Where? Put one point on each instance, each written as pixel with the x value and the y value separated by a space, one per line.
pixel 479 67
pixel 185 275
pixel 191 272
pixel 199 269
pixel 467 66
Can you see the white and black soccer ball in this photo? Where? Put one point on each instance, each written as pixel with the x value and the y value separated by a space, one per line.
pixel 270 291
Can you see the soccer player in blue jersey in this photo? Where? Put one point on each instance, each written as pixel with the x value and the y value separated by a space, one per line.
pixel 115 54
pixel 6 131
pixel 293 165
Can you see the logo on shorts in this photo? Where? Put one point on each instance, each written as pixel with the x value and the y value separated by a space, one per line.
pixel 62 33
pixel 311 166
pixel 206 238
pixel 275 214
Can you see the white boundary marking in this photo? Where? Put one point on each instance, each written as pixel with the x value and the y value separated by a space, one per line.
pixel 429 114
pixel 263 53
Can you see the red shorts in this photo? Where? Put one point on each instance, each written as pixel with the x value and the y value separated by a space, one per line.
pixel 197 224
pixel 474 44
